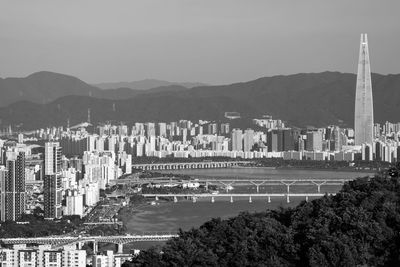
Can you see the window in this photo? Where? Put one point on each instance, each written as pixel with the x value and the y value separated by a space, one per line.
pixel 3 256
pixel 53 257
pixel 27 256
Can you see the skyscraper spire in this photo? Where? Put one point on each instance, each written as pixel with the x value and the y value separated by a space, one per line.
pixel 364 111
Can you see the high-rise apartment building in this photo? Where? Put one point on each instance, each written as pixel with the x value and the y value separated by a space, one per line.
pixel 212 128
pixel 12 186
pixel 337 139
pixel 52 158
pixel 161 129
pixel 224 128
pixel 248 140
pixel 107 259
pixel 364 111
pixel 314 140
pixel 281 140
pixel 237 140
pixel 74 203
pixel 52 180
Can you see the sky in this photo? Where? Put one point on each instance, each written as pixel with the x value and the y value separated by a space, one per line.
pixel 209 41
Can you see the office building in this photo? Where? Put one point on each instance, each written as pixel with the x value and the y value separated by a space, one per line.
pixel 364 111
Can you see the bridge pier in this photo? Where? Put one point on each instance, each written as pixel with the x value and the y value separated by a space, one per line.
pixel 306 198
pixel 257 185
pixel 175 199
pixel 319 185
pixel 288 186
pixel 212 199
pixel 227 185
pixel 231 199
pixel 194 199
pixel 120 249
pixel 250 200
pixel 269 199
pixel 287 198
pixel 156 198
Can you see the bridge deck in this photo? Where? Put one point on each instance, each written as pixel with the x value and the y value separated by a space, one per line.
pixel 265 181
pixel 57 240
pixel 240 195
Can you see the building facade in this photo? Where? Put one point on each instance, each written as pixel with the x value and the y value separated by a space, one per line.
pixel 364 111
pixel 12 185
pixel 52 181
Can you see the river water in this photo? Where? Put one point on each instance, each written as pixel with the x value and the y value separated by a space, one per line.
pixel 268 173
pixel 170 216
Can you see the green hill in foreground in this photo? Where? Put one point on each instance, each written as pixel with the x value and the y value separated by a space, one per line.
pixel 357 227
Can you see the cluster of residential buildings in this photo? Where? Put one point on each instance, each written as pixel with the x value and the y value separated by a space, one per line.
pixel 77 163
pixel 28 182
pixel 269 138
pixel 65 256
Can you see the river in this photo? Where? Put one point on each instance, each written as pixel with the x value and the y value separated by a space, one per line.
pixel 169 216
pixel 268 173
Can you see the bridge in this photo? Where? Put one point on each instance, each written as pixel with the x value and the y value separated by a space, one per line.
pixel 267 196
pixel 104 223
pixel 58 241
pixel 227 183
pixel 189 165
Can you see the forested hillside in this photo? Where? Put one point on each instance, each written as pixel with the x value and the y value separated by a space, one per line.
pixel 357 227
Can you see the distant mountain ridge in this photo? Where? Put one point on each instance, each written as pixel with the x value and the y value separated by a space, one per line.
pixel 145 84
pixel 44 87
pixel 316 99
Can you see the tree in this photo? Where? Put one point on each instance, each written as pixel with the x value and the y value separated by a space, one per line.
pixel 359 226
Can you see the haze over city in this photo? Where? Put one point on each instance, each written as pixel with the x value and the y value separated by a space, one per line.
pixel 214 42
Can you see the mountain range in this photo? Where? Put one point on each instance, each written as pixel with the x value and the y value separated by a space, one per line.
pixel 145 84
pixel 305 99
pixel 44 87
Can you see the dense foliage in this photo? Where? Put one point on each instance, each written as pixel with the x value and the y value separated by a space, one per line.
pixel 37 226
pixel 357 227
pixel 34 226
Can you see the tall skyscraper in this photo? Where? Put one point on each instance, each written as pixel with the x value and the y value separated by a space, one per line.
pixel 12 185
pixel 364 111
pixel 52 180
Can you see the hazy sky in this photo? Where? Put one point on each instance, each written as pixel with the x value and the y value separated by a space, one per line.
pixel 209 41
